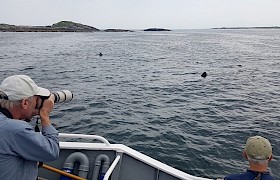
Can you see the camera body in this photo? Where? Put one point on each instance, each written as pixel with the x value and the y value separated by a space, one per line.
pixel 62 96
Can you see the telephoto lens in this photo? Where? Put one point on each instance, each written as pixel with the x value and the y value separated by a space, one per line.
pixel 62 96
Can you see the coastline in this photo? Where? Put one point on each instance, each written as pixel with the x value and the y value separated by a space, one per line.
pixel 65 26
pixel 261 27
pixel 62 26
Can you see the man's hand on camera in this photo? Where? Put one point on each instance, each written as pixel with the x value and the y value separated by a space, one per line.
pixel 45 111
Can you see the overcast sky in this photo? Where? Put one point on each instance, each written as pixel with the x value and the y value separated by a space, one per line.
pixel 141 14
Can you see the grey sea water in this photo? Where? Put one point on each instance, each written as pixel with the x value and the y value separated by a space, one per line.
pixel 146 91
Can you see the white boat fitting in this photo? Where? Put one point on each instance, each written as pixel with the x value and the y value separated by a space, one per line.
pixel 102 160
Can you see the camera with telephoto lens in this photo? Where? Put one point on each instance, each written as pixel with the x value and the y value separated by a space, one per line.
pixel 62 96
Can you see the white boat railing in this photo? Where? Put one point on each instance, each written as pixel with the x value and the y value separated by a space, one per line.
pixel 112 167
pixel 95 137
pixel 124 149
pixel 85 136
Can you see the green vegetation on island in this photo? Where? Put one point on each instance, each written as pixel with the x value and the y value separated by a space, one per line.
pixel 69 25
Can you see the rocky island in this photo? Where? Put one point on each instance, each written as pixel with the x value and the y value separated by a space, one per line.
pixel 117 30
pixel 156 29
pixel 62 26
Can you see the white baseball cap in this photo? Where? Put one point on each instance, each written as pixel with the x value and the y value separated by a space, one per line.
pixel 18 87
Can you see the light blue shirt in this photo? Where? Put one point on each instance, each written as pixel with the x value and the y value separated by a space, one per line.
pixel 21 148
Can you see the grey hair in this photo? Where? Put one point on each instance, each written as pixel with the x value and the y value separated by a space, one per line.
pixel 8 104
pixel 258 161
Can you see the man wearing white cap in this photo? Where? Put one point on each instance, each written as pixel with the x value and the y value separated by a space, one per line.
pixel 21 148
pixel 258 152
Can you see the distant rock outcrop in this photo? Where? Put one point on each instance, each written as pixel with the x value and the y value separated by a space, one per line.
pixel 156 29
pixel 117 30
pixel 62 26
pixel 264 27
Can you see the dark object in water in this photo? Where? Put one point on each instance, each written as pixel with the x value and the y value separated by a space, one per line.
pixel 100 54
pixel 204 74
